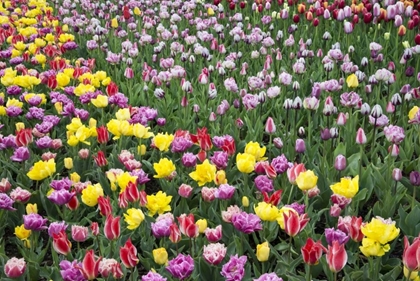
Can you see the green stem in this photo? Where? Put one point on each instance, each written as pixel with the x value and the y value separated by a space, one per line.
pixel 414 197
pixel 308 272
pixel 361 161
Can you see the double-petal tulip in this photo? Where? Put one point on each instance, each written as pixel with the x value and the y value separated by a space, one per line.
pixel 128 254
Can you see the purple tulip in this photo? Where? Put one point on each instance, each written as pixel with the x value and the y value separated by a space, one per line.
pixel 6 203
pixel 269 277
pixel 153 276
pixel 70 271
pixel 300 208
pixel 161 228
pixel 280 164
pixel 64 183
pixel 332 235
pixel 263 183
pixel 220 159
pixel 189 159
pixel 225 192
pixel 61 197
pixel 180 144
pixel 181 267
pixel 246 223
pixel 56 227
pixel 20 154
pixel 234 269
pixel 34 222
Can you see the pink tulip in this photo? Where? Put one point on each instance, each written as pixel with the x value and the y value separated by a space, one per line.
pixel 336 256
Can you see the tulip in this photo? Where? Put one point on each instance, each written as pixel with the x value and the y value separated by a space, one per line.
pixel 61 243
pixel 336 257
pixel 112 227
pixel 105 207
pixel 128 254
pixel 214 253
pixel 293 223
pixel 306 180
pixel 293 172
pixel 175 233
pixel 160 256
pixel 14 267
pixel 411 255
pixel 187 225
pixel 312 251
pixel 214 234
pixel 270 127
pixel 181 267
pixel 79 233
pixel 263 252
pixel 361 137
pixel 90 266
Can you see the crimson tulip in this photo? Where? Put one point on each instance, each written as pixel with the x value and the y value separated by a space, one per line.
pixel 187 225
pixel 111 89
pixel 294 223
pixel 336 256
pixel 103 135
pixel 61 243
pixel 24 137
pixel 411 255
pixel 105 207
pixel 128 254
pixel 312 251
pixel 274 199
pixel 175 233
pixel 131 192
pixel 100 159
pixel 90 265
pixel 112 227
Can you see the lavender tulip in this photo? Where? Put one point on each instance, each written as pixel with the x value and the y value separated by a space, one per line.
pixel 181 267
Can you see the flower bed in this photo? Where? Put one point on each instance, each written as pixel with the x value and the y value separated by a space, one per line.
pixel 233 140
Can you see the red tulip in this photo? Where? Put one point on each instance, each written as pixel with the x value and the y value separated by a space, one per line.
pixel 100 159
pixel 126 12
pixel 293 173
pixel 90 266
pixel 128 254
pixel 274 199
pixel 242 4
pixel 202 138
pixel 232 6
pixel 312 251
pixel 417 39
pixel 61 243
pixel 296 18
pixel 187 225
pixel 24 137
pixel 73 204
pixel 175 233
pixel 105 207
pixel 112 227
pixel 336 256
pixel 229 147
pixel 411 255
pixel 52 82
pixel 103 135
pixel 94 227
pixel 131 192
pixel 111 89
pixel 294 223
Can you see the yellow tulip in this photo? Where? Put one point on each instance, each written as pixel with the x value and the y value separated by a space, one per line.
pixel 160 256
pixel 141 132
pixel 266 212
pixel 123 179
pixel 306 180
pixel 245 162
pixel 114 23
pixel 68 163
pixel 352 81
pixel 158 203
pixel 263 252
pixel 210 11
pixel 163 141
pixel 347 187
pixel 91 194
pixel 137 11
pixel 381 230
pixel 164 168
pixel 21 232
pixel 100 101
pixel 412 113
pixel 133 218
pixel 62 79
pixel 204 173
pixel 31 208
pixel 42 170
pixel 371 247
pixel 245 201
pixel 254 149
pixel 123 114
pixel 202 225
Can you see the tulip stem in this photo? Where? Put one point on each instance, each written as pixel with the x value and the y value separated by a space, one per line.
pixel 335 276
pixel 414 197
pixel 308 273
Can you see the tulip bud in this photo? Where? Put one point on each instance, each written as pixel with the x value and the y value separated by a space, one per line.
pixel 335 211
pixel 301 132
pixel 300 146
pixel 278 142
pixel 239 123
pixel 361 137
pixel 270 127
pixel 245 201
pixel 313 192
pixel 68 163
pixel 396 174
pixel 340 162
pixel 341 119
pixel 415 178
pixel 325 134
pixel 160 256
pixel 376 111
pixel 263 252
pixel 365 109
pixel 202 225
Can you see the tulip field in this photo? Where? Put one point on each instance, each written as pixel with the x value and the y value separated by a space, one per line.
pixel 216 140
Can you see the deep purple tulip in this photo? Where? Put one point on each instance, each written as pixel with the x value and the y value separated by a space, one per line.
pixel 181 267
pixel 332 235
pixel 34 222
pixel 6 203
pixel 246 223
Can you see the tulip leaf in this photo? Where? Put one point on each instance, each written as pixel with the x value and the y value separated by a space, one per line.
pixel 393 273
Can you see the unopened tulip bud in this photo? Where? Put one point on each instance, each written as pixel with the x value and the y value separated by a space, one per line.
pixel 288 103
pixel 334 133
pixel 415 178
pixel 68 163
pixel 340 162
pixel 390 108
pixel 394 150
pixel 365 109
pixel 335 211
pixel 396 174
pixel 202 225
pixel 376 111
pixel 300 146
pixel 245 201
pixel 301 132
pixel 341 119
pixel 313 192
pixel 239 123
pixel 325 134
pixel 396 99
pixel 278 142
pixel 196 108
pixel 270 127
pixel 408 97
pixel 297 103
pixel 361 136
pixel 212 117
